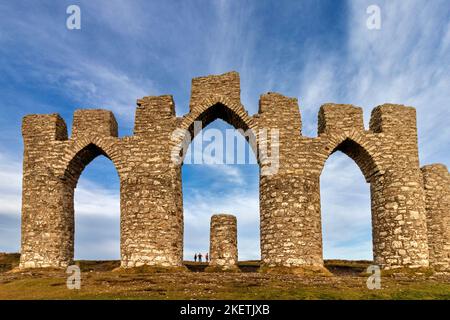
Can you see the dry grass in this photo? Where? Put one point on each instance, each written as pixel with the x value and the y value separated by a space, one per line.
pixel 100 281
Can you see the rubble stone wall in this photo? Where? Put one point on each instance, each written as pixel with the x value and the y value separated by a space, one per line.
pixel 436 180
pixel 223 248
pixel 404 213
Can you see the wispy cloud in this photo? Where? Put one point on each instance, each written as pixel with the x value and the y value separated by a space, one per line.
pixel 407 61
pixel 10 203
pixel 10 186
pixel 200 205
pixel 92 199
pixel 318 51
pixel 346 215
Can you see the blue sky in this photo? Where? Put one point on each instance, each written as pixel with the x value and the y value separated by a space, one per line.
pixel 317 51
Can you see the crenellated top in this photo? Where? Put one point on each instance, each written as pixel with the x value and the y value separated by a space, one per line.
pixel 221 94
pixel 153 111
pixel 278 111
pixel 44 127
pixel 94 122
pixel 393 118
pixel 214 87
pixel 436 169
pixel 86 123
pixel 339 118
pixel 340 128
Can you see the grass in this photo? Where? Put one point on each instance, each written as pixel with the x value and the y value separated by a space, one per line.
pixel 8 261
pixel 100 281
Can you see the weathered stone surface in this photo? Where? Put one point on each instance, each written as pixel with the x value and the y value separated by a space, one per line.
pixel 436 180
pixel 223 243
pixel 150 179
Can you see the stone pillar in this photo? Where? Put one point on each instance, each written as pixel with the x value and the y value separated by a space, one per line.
pixel 290 223
pixel 398 207
pixel 223 243
pixel 436 181
pixel 151 200
pixel 289 199
pixel 152 224
pixel 47 201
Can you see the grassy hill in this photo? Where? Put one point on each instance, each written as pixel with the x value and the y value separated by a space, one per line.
pixel 102 280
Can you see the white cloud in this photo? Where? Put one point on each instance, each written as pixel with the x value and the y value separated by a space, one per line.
pixel 201 205
pixel 10 203
pixel 10 186
pixel 406 62
pixel 65 68
pixel 92 199
pixel 346 215
pixel 101 86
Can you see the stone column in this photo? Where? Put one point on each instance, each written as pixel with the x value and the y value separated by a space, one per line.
pixel 47 201
pixel 289 196
pixel 398 206
pixel 436 181
pixel 151 200
pixel 223 243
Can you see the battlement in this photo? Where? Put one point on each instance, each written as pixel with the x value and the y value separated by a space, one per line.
pixel 437 168
pixel 406 202
pixel 152 109
pixel 393 118
pixel 92 122
pixel 275 110
pixel 38 127
pixel 224 85
pixel 278 110
pixel 432 173
pixel 339 118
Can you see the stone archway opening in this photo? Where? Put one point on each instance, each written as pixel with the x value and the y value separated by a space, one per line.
pixel 220 174
pixel 345 210
pixel 345 196
pixel 97 212
pixel 93 203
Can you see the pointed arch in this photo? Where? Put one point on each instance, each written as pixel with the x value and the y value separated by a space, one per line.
pixel 76 157
pixel 361 148
pixel 357 147
pixel 207 112
pixel 83 152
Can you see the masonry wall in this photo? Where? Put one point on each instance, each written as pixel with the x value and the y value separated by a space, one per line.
pixel 151 225
pixel 223 248
pixel 436 180
pixel 387 156
pixel 149 166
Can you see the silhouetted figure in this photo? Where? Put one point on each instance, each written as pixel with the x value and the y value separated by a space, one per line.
pixel 195 257
pixel 207 257
pixel 200 257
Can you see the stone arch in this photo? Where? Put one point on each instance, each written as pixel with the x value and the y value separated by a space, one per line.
pixel 76 158
pixel 358 147
pixel 83 152
pixel 207 112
